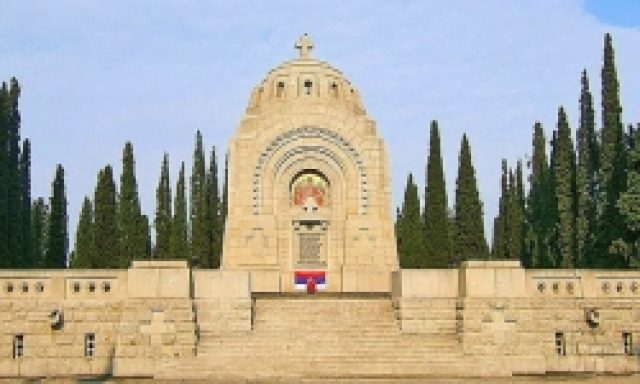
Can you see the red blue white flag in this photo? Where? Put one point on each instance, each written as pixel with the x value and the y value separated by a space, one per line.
pixel 300 279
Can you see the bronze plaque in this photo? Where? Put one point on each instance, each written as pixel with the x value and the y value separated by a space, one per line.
pixel 310 247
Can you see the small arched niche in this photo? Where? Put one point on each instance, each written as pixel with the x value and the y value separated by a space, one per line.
pixel 310 184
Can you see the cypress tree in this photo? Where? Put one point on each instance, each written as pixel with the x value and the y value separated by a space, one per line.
pixel 107 247
pixel 39 226
pixel 563 177
pixel 163 212
pixel 497 239
pixel 410 229
pixel 199 230
pixel 14 178
pixel 629 201
pixel 179 243
pixel 500 237
pixel 521 213
pixel 587 179
pixel 538 198
pixel 470 242
pixel 147 236
pixel 555 260
pixel 612 164
pixel 590 140
pixel 213 213
pixel 4 175
pixel 436 227
pixel 612 129
pixel 508 240
pixel 26 253
pixel 84 251
pixel 133 234
pixel 58 234
pixel 515 219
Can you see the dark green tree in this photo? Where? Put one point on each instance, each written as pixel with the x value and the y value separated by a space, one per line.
pixel 163 212
pixel 84 254
pixel 515 219
pixel 213 213
pixel 58 234
pixel 629 202
pixel 198 216
pixel 563 176
pixel 612 165
pixel 587 180
pixel 133 234
pixel 555 259
pixel 410 229
pixel 436 226
pixel 105 230
pixel 537 225
pixel 508 232
pixel 500 236
pixel 522 209
pixel 4 176
pixel 14 178
pixel 39 228
pixel 147 236
pixel 470 242
pixel 581 187
pixel 179 243
pixel 612 129
pixel 26 254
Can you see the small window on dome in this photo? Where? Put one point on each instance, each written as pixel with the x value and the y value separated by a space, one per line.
pixel 280 89
pixel 333 89
pixel 308 84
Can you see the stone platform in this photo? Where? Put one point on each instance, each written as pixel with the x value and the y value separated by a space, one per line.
pixel 164 320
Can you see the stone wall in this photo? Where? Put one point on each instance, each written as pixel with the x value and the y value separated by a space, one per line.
pixel 223 302
pixel 95 322
pixel 532 321
pixel 132 322
pixel 425 300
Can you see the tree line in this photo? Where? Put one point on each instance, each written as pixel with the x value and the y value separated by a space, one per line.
pixel 33 232
pixel 581 208
pixel 112 231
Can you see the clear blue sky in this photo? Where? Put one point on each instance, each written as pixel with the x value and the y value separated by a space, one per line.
pixel 95 74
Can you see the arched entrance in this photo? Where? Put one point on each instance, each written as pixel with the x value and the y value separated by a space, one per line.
pixel 310 197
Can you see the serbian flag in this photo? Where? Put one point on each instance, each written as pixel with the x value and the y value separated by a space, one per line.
pixel 300 279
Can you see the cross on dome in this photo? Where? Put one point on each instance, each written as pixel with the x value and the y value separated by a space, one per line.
pixel 304 45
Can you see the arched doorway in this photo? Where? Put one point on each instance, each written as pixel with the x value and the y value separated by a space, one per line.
pixel 310 197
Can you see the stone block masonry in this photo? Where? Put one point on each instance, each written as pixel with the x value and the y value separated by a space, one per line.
pixel 210 324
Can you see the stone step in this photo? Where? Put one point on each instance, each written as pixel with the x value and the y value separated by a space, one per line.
pixel 309 369
pixel 350 336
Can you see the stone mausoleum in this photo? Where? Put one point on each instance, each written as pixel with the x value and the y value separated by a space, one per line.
pixel 310 201
pixel 309 184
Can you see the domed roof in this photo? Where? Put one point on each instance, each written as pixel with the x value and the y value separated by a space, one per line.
pixel 305 79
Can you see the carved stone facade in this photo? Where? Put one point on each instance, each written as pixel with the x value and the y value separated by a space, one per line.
pixel 308 171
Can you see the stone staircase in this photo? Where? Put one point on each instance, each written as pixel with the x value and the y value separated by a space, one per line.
pixel 324 337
